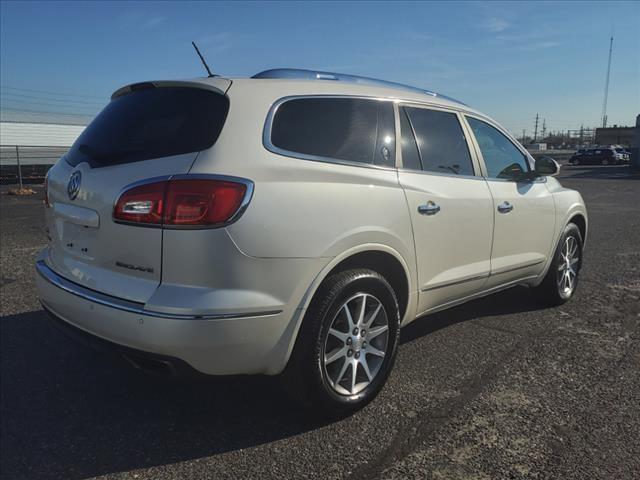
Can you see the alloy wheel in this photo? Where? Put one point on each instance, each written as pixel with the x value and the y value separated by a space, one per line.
pixel 356 344
pixel 568 265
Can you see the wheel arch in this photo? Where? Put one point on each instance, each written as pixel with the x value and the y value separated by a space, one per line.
pixel 581 222
pixel 384 258
pixel 380 258
pixel 576 216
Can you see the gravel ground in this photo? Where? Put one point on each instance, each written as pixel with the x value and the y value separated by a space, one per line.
pixel 496 388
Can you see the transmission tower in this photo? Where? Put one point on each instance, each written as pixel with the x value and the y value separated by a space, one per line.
pixel 606 86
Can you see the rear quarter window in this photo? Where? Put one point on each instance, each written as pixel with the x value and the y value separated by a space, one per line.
pixel 151 123
pixel 349 129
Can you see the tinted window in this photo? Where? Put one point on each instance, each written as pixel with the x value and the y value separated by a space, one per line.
pixel 352 129
pixel 410 156
pixel 441 143
pixel 501 157
pixel 151 123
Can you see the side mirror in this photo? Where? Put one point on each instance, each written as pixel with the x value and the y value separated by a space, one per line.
pixel 546 167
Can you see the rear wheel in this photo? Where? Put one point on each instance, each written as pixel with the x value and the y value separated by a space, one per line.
pixel 347 343
pixel 605 161
pixel 561 280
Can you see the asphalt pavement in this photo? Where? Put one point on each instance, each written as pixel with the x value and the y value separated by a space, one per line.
pixel 496 388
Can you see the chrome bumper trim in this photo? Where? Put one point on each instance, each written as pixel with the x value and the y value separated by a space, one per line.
pixel 126 305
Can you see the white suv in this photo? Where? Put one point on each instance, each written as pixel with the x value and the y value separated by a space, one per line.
pixel 291 223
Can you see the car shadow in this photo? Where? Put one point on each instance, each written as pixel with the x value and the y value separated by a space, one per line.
pixel 611 172
pixel 507 302
pixel 71 412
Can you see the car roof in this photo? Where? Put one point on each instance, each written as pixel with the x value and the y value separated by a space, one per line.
pixel 280 83
pixel 295 81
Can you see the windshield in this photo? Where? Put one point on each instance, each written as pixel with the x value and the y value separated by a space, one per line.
pixel 151 123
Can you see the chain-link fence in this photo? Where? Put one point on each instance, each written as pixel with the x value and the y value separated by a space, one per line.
pixel 27 165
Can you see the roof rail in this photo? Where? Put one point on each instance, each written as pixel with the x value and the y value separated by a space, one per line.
pixel 301 74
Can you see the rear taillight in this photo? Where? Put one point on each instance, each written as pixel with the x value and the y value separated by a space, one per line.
pixel 202 202
pixel 141 204
pixel 182 202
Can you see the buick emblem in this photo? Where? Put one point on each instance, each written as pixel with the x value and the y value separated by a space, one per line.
pixel 74 184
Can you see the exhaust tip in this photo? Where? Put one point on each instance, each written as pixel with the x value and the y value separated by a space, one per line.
pixel 151 365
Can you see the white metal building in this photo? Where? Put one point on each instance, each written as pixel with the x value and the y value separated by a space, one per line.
pixel 38 134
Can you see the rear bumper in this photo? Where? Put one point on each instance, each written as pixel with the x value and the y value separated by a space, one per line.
pixel 146 361
pixel 224 344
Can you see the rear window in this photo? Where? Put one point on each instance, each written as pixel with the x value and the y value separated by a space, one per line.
pixel 151 123
pixel 351 129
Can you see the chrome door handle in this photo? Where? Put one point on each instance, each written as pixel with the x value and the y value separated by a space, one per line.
pixel 505 207
pixel 429 208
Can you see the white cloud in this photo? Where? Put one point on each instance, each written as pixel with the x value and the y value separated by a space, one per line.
pixel 140 20
pixel 495 24
pixel 541 45
pixel 215 42
pixel 152 22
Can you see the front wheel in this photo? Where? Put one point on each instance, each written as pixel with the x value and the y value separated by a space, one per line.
pixel 561 280
pixel 347 343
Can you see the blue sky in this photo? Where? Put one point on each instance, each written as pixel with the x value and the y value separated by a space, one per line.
pixel 510 60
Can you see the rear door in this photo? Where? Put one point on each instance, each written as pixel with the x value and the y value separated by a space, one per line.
pixel 524 208
pixel 449 203
pixel 146 131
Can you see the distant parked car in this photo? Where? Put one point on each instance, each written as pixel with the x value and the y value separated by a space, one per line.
pixel 597 156
pixel 623 154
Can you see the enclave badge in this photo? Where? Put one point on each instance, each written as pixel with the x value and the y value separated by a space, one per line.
pixel 73 187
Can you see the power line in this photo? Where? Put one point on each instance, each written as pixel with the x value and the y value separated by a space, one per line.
pixel 29 102
pixel 59 94
pixel 47 112
pixel 50 99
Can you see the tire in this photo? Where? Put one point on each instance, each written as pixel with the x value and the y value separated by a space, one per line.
pixel 556 289
pixel 605 162
pixel 316 374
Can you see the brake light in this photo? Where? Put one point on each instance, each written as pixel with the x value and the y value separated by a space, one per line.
pixel 202 202
pixel 181 202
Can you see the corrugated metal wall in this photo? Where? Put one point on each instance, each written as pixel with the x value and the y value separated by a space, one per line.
pixel 38 134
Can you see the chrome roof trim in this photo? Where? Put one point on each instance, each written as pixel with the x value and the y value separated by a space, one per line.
pixel 301 74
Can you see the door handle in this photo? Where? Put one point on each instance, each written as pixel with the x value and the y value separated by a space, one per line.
pixel 505 207
pixel 429 208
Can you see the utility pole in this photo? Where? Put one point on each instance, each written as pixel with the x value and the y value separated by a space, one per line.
pixel 581 133
pixel 523 135
pixel 535 132
pixel 606 86
pixel 19 168
pixel 544 129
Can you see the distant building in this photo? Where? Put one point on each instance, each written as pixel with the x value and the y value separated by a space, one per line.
pixel 26 134
pixel 614 135
pixel 537 146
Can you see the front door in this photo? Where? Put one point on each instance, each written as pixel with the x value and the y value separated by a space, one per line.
pixel 524 208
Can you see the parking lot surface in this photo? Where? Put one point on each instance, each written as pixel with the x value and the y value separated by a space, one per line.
pixel 496 388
